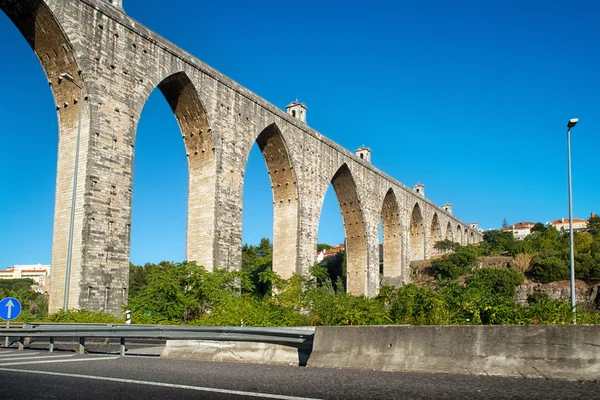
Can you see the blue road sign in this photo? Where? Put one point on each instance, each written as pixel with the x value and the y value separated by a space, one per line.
pixel 10 308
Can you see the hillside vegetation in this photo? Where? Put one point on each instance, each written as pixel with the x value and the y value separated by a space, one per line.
pixel 457 290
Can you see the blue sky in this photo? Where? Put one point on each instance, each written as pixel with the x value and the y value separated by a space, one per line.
pixel 470 98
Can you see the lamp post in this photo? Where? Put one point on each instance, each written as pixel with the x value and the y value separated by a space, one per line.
pixel 572 123
pixel 69 78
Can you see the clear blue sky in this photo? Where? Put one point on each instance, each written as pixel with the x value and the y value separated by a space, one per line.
pixel 470 98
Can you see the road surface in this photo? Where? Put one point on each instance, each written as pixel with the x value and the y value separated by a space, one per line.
pixel 37 374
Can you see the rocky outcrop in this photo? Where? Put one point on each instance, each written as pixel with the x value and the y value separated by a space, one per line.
pixel 584 294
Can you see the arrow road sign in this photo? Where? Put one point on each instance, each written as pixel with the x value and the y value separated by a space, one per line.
pixel 10 308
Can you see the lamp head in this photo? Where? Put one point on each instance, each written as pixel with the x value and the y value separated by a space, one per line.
pixel 66 76
pixel 572 122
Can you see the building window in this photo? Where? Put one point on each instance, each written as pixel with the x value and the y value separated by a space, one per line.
pixel 294 113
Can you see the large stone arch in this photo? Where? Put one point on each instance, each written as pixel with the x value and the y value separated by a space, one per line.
pixel 458 238
pixel 392 236
pixel 43 32
pixel 449 231
pixel 346 192
pixel 472 238
pixel 182 96
pixel 435 234
pixel 417 235
pixel 275 152
pixel 466 237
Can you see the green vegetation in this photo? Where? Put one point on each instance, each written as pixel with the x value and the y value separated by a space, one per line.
pixel 34 305
pixel 460 294
pixel 446 245
pixel 549 250
pixel 451 266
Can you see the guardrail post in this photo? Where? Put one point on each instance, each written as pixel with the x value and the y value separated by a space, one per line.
pixel 122 347
pixel 21 343
pixel 82 345
pixel 51 345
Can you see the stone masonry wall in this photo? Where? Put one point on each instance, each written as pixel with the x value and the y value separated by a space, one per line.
pixel 118 62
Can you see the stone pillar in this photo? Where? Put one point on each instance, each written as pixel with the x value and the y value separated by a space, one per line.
pixel 372 272
pixel 68 115
pixel 427 235
pixel 405 227
pixel 99 276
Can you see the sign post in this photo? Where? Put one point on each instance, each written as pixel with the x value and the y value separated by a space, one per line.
pixel 10 308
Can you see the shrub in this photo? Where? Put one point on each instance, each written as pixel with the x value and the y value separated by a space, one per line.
pixel 329 308
pixel 549 269
pixel 451 266
pixel 419 306
pixel 84 316
pixel 496 281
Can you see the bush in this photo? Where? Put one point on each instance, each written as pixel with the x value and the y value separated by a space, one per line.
pixel 420 306
pixel 451 266
pixel 84 316
pixel 329 308
pixel 549 269
pixel 496 281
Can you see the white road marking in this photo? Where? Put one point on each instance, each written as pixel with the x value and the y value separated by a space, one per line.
pixel 59 361
pixel 15 354
pixel 36 358
pixel 162 384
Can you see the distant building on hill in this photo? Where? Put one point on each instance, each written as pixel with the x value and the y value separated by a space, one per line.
pixel 563 224
pixel 519 230
pixel 323 254
pixel 40 274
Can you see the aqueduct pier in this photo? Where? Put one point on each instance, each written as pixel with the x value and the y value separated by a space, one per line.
pixel 117 63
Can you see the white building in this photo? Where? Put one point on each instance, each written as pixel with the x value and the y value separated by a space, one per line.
pixel 519 230
pixel 563 224
pixel 40 274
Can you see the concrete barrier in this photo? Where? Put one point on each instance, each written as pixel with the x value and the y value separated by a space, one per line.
pixel 230 351
pixel 533 351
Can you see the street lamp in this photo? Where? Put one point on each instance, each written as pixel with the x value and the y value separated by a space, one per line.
pixel 69 78
pixel 572 123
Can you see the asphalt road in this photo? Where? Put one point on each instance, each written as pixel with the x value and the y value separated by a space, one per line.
pixel 35 374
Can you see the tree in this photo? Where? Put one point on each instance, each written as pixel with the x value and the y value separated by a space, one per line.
pixel 594 225
pixel 323 246
pixel 256 261
pixel 504 224
pixel 496 242
pixel 582 242
pixel 549 268
pixel 446 245
pixel 336 270
pixel 539 227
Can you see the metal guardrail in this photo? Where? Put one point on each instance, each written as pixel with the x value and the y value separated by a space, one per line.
pixel 284 336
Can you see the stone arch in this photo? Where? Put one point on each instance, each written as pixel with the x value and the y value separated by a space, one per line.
pixel 39 26
pixel 458 239
pixel 392 236
pixel 435 234
pixel 346 192
pixel 182 96
pixel 285 199
pixel 417 235
pixel 41 29
pixel 448 231
pixel 472 238
pixel 466 237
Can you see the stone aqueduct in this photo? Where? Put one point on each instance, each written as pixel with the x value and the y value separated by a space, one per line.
pixel 118 63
